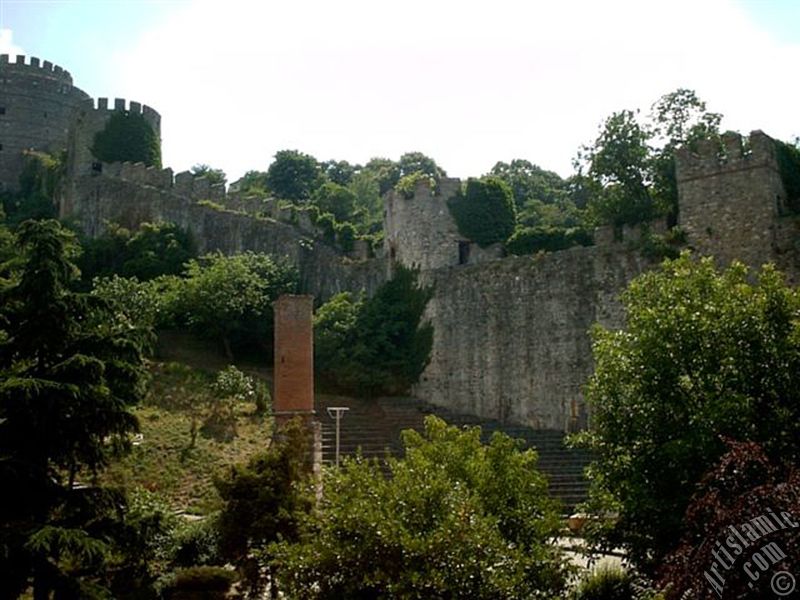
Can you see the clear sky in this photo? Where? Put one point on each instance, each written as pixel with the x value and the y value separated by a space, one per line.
pixel 469 83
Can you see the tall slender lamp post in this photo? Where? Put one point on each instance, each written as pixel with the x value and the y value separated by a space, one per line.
pixel 335 412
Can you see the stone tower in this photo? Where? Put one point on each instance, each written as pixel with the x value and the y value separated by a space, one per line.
pixel 90 119
pixel 731 198
pixel 38 104
pixel 420 231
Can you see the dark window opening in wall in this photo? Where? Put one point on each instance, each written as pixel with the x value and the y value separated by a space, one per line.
pixel 1 147
pixel 463 252
pixel 45 115
pixel 2 110
pixel 97 167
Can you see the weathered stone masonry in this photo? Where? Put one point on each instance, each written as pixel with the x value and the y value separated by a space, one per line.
pixel 510 334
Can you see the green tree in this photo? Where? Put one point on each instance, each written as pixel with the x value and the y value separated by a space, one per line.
pixel 454 519
pixel 339 171
pixel 294 175
pixel 417 162
pixel 68 378
pixel 485 211
pixel 127 137
pixel 335 199
pixel 703 354
pixel 375 346
pixel 676 119
pixel 628 172
pixel 367 199
pixel 229 298
pixel 264 500
pixel 385 172
pixel 530 182
pixel 215 176
pixel 253 182
pixel 618 164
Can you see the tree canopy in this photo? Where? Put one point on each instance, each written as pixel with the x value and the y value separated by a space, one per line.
pixel 70 374
pixel 375 346
pixel 628 171
pixel 703 354
pixel 294 175
pixel 455 519
pixel 484 212
pixel 229 298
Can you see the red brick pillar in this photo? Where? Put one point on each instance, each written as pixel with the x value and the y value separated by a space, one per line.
pixel 294 358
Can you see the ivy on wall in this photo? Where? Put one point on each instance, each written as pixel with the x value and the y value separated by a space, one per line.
pixel 789 165
pixel 128 136
pixel 484 212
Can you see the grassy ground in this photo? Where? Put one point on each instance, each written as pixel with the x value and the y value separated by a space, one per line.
pixel 166 460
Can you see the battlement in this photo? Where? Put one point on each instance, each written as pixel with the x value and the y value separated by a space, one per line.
pixel 198 188
pixel 734 153
pixel 138 173
pixel 45 68
pixel 102 105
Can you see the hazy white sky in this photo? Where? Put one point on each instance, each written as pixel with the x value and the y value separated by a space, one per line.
pixel 469 83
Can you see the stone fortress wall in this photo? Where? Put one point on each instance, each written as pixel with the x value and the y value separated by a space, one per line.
pixel 510 334
pixel 37 107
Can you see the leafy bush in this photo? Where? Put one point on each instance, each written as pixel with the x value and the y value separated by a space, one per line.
pixel 232 383
pixel 703 354
pixel 454 519
pixel 201 583
pixel 377 346
pixel 531 240
pixel 327 225
pixel 606 582
pixel 485 212
pixel 743 486
pixel 127 136
pixel 346 236
pixel 264 499
pixel 153 250
pixel 658 247
pixel 39 183
pixel 407 184
pixel 196 543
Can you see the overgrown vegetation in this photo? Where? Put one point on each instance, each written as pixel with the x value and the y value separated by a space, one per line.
pixel 375 346
pixel 531 240
pixel 485 211
pixel 38 184
pixel 128 136
pixel 154 249
pixel 789 164
pixel 455 519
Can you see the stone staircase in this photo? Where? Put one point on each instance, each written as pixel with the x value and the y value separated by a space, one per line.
pixel 374 427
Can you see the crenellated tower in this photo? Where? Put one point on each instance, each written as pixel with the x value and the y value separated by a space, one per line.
pixel 90 119
pixel 731 197
pixel 38 103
